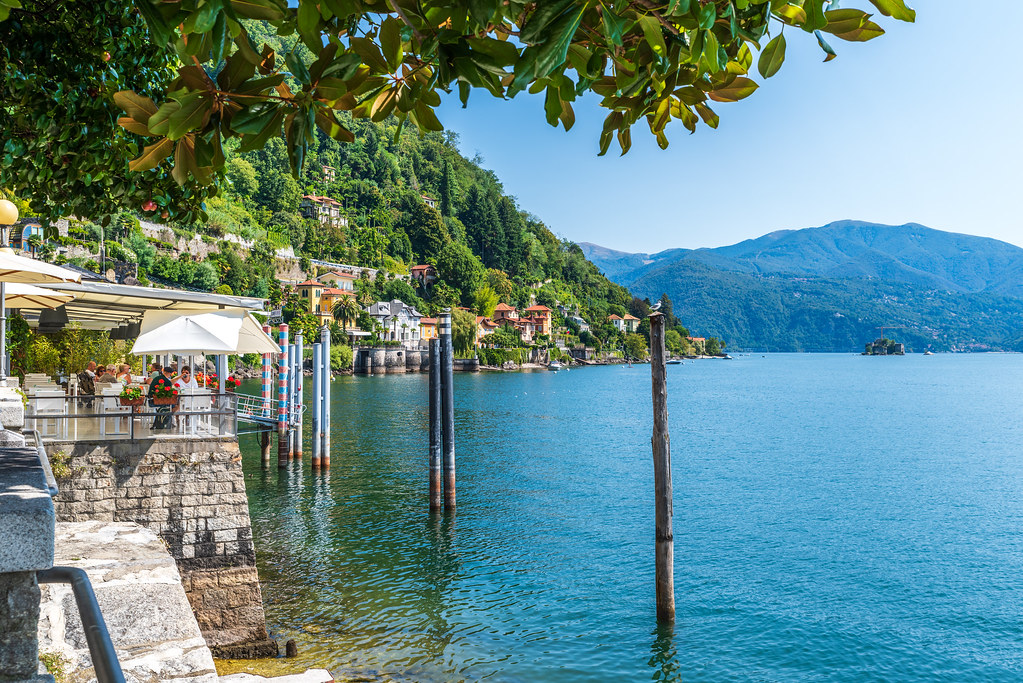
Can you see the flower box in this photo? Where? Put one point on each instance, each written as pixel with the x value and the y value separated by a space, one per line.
pixel 165 400
pixel 134 402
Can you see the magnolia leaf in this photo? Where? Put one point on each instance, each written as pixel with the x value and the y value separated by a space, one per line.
pixel 791 14
pixel 895 9
pixel 868 31
pixel 257 9
pixel 329 124
pixel 132 125
pixel 390 43
pixel 707 114
pixel 738 89
pixel 567 115
pixel 654 37
pixel 829 52
pixel 152 156
pixel 427 118
pixel 194 109
pixel 772 57
pixel 845 20
pixel 136 106
pixel 184 160
pixel 270 129
pixel 383 104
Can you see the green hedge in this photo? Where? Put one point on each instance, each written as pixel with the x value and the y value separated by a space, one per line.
pixel 497 357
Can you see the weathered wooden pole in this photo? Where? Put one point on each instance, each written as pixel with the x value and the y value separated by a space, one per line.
pixel 282 400
pixel 264 447
pixel 325 408
pixel 664 544
pixel 436 488
pixel 315 407
pixel 447 407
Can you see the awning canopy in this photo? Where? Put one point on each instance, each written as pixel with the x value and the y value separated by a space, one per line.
pixel 14 268
pixel 102 305
pixel 202 332
pixel 20 295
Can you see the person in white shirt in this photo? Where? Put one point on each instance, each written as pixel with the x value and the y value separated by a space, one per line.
pixel 185 383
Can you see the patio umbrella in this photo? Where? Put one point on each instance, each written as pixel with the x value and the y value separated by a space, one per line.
pixel 192 333
pixel 14 268
pixel 20 295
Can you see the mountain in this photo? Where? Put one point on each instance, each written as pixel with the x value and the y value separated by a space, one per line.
pixel 828 288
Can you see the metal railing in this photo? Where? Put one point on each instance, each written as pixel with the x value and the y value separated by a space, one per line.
pixel 101 649
pixel 56 417
pixel 258 409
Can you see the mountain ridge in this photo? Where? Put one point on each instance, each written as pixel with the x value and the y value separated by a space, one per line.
pixel 865 274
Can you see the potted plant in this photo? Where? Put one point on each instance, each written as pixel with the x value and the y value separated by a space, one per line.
pixel 164 395
pixel 232 383
pixel 132 396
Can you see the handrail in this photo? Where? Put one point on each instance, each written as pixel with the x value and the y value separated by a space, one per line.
pixel 101 649
pixel 51 481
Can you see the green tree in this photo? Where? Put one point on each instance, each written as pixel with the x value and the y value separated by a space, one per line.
pixel 345 311
pixel 242 176
pixel 447 191
pixel 484 300
pixel 676 56
pixel 635 346
pixel 463 331
pixel 713 346
pixel 458 265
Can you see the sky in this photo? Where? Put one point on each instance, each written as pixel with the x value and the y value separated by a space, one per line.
pixel 920 125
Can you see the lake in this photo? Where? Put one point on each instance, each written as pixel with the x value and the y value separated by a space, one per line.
pixel 837 517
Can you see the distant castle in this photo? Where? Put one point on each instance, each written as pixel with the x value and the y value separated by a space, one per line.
pixel 885 347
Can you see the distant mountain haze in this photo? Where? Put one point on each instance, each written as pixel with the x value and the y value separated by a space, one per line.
pixel 827 288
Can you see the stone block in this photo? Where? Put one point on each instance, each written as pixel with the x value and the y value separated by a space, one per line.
pixel 19 619
pixel 26 513
pixel 12 410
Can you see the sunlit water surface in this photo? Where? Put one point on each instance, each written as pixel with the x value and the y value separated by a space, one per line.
pixel 837 518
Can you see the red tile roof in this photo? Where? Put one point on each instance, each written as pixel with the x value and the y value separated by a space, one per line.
pixel 423 267
pixel 614 317
pixel 309 283
pixel 503 307
pixel 538 308
pixel 334 291
pixel 630 317
pixel 427 321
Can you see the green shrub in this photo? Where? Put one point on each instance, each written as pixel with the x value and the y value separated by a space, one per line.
pixel 340 357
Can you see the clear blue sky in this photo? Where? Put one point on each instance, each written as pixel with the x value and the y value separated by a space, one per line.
pixel 921 124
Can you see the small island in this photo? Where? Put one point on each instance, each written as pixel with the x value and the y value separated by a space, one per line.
pixel 884 347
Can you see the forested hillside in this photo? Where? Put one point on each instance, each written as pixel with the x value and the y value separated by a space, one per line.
pixel 829 288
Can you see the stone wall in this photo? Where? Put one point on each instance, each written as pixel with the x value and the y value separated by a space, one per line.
pixel 192 494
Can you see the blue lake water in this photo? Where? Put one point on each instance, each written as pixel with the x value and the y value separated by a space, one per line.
pixel 837 518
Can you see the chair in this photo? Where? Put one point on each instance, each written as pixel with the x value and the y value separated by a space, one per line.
pixel 49 402
pixel 111 405
pixel 199 400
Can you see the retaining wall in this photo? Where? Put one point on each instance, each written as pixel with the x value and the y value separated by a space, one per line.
pixel 192 494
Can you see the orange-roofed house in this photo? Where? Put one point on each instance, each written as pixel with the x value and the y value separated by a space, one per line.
pixel 484 328
pixel 541 316
pixel 503 311
pixel 630 322
pixel 617 321
pixel 328 297
pixel 322 209
pixel 424 274
pixel 427 329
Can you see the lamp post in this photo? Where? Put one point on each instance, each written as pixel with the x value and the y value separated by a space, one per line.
pixel 8 217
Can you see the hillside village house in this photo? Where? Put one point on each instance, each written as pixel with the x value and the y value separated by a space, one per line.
pixel 484 328
pixel 427 329
pixel 329 174
pixel 583 325
pixel 423 274
pixel 627 324
pixel 429 201
pixel 398 321
pixel 322 209
pixel 541 316
pixel 537 322
pixel 320 297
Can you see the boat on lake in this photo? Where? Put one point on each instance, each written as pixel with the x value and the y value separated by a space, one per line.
pixel 555 365
pixel 674 361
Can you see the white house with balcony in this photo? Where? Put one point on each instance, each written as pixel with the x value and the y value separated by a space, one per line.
pixel 398 321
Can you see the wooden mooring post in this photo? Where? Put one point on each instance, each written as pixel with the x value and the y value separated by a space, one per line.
pixel 447 407
pixel 664 544
pixel 436 488
pixel 264 447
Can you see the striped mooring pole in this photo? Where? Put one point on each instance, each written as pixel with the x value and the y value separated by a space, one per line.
pixel 447 407
pixel 282 400
pixel 265 387
pixel 299 393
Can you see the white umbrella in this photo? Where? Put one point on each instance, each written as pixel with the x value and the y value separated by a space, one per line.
pixel 20 295
pixel 192 333
pixel 14 268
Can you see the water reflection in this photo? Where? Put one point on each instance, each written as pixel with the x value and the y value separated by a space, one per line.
pixel 664 655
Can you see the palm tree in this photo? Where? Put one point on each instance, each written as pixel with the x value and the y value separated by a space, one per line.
pixel 34 242
pixel 345 310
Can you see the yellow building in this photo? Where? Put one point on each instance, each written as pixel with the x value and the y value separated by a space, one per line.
pixel 319 298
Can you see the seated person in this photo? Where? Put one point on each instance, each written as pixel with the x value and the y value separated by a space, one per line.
pixel 164 419
pixel 185 383
pixel 106 374
pixel 124 374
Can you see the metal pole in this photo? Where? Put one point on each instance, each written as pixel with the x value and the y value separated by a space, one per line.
pixel 265 386
pixel 317 399
pixel 436 494
pixel 3 333
pixel 291 402
pixel 221 401
pixel 299 392
pixel 282 399
pixel 447 407
pixel 325 408
pixel 664 544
